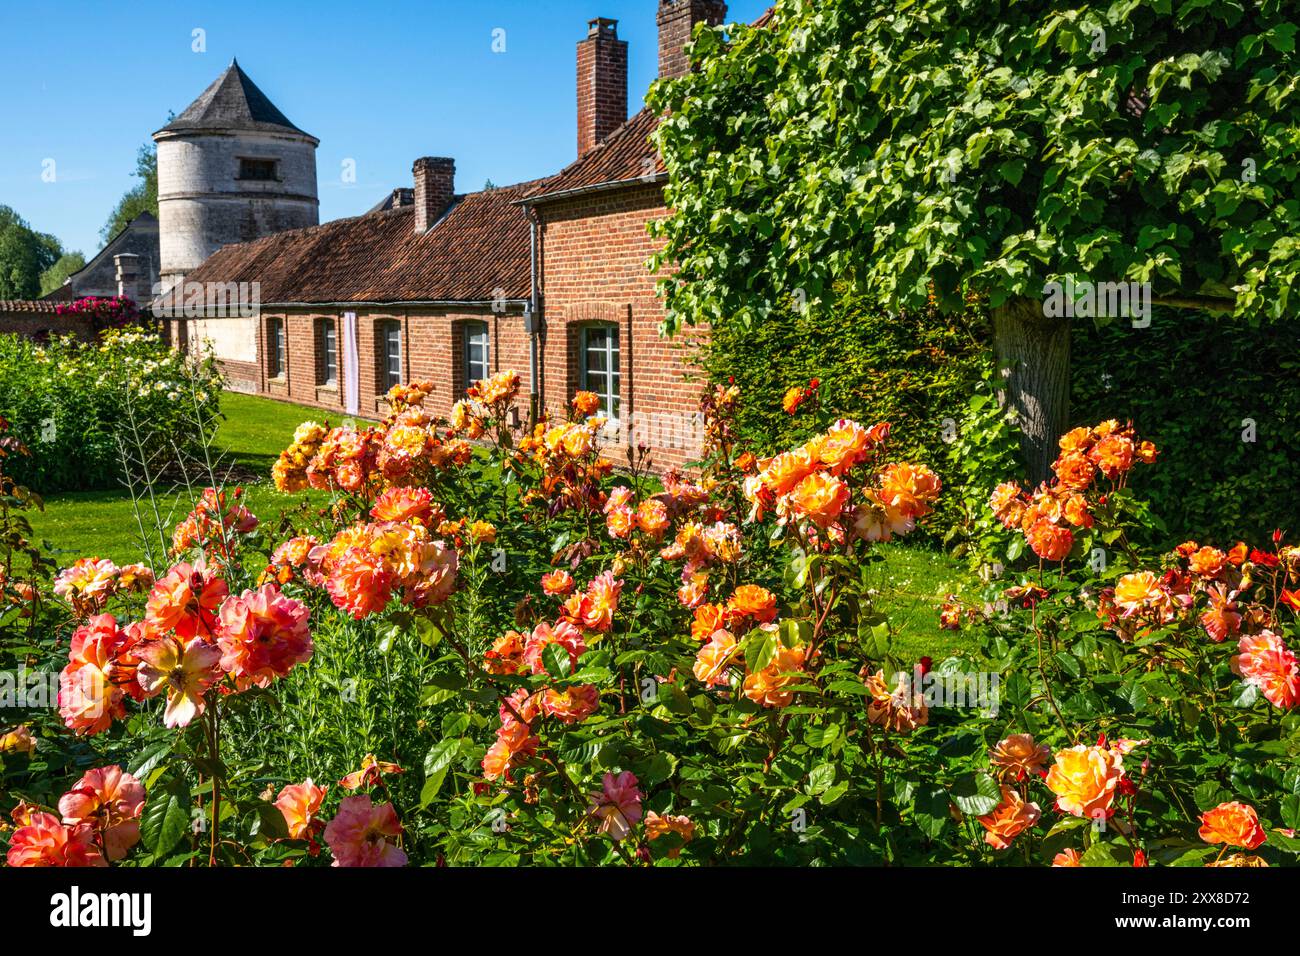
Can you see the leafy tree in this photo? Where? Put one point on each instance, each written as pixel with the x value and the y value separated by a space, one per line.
pixel 55 275
pixel 24 255
pixel 143 197
pixel 994 147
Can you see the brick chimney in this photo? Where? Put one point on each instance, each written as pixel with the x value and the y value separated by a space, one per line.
pixel 435 189
pixel 129 278
pixel 677 21
pixel 602 84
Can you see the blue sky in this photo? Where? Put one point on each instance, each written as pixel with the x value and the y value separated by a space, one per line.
pixel 85 83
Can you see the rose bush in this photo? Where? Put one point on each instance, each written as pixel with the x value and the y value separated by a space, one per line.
pixel 78 404
pixel 494 648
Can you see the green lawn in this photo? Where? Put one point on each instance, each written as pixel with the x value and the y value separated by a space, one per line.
pixel 104 523
pixel 912 582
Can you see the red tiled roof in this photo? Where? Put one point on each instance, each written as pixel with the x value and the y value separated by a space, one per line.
pixel 626 155
pixel 479 251
pixel 29 305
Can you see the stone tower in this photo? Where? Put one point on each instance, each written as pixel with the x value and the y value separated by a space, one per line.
pixel 231 168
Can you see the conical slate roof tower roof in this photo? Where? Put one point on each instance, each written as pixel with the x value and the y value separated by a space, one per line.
pixel 232 102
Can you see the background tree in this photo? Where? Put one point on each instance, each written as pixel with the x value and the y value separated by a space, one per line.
pixel 994 147
pixel 142 197
pixel 24 255
pixel 55 275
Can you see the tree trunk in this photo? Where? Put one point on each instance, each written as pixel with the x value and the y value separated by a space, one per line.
pixel 1033 353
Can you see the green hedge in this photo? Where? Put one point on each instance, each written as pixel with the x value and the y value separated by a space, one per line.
pixel 916 371
pixel 1189 382
pixel 70 402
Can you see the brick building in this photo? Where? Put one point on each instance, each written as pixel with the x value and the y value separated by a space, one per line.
pixel 547 277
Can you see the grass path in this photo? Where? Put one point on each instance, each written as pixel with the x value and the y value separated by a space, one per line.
pixel 912 581
pixel 103 523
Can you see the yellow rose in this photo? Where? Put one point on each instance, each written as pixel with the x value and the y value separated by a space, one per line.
pixel 1084 780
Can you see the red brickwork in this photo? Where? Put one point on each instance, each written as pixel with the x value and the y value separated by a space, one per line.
pixel 602 84
pixel 595 250
pixel 37 319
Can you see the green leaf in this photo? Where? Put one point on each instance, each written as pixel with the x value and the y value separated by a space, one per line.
pixel 976 794
pixel 429 633
pixel 760 648
pixel 269 822
pixel 1209 795
pixel 151 756
pixel 821 778
pixel 436 764
pixel 1106 854
pixel 556 660
pixel 166 817
pixel 932 810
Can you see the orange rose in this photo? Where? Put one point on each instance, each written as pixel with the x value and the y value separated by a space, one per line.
pixel 909 488
pixel 1077 513
pixel 657 826
pixel 620 522
pixel 1012 817
pixel 1074 471
pixel 1207 562
pixel 557 582
pixel 820 498
pixel 1076 440
pixel 708 618
pixel 750 600
pixel 768 686
pixel 1018 756
pixel 652 517
pixel 1141 591
pixel 1069 857
pixel 1007 504
pixel 792 399
pixel 1084 780
pixel 1233 823
pixel 571 705
pixel 714 658
pixel 845 444
pixel 1221 619
pixel 1113 455
pixel 1050 541
pixel 586 403
pixel 782 473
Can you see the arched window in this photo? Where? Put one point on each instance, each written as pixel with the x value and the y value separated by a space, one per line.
pixel 598 366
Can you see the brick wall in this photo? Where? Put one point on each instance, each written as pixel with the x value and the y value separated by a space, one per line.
pixel 38 320
pixel 602 84
pixel 595 250
pixel 677 19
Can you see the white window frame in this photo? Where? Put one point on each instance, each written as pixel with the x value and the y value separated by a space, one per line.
pixel 471 331
pixel 279 351
pixel 329 353
pixel 391 351
pixel 606 384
